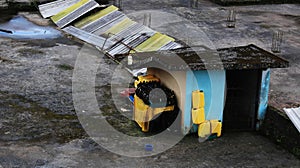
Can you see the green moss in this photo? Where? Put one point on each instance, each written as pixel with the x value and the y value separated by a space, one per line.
pixel 296 151
pixel 29 52
pixel 65 67
pixel 48 125
pixel 265 26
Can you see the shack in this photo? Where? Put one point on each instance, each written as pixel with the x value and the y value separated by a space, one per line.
pixel 234 82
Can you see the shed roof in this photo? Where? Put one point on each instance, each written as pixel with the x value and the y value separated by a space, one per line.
pixel 201 58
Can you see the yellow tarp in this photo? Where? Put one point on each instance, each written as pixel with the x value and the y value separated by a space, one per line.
pixel 70 9
pixel 95 16
pixel 154 43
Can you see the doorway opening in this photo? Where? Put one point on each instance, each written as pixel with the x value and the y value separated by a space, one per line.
pixel 242 100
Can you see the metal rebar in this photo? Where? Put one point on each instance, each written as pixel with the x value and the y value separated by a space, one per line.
pixel 231 18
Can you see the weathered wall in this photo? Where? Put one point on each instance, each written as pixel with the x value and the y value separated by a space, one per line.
pixel 281 130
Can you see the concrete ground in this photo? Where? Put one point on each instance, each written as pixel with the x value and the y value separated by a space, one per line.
pixel 38 124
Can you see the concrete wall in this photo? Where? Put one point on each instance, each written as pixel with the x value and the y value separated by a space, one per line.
pixel 184 82
pixel 212 82
pixel 241 2
pixel 279 128
pixel 174 80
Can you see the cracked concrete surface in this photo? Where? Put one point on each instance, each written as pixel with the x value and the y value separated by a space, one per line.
pixel 38 125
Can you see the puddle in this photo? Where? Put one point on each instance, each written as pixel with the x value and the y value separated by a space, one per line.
pixel 20 28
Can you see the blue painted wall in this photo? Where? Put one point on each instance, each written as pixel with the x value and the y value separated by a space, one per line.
pixel 263 95
pixel 212 82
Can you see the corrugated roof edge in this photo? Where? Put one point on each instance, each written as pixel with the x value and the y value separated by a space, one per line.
pixel 260 59
pixel 262 50
pixel 294 115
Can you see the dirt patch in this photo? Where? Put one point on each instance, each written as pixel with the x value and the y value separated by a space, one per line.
pixel 5 60
pixel 28 52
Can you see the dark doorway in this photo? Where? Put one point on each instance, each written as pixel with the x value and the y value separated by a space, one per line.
pixel 242 100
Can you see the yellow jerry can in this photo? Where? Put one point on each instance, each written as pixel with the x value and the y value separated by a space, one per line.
pixel 198 99
pixel 198 115
pixel 210 127
pixel 146 78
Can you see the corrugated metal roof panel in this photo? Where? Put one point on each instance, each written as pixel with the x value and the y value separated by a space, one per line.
pixel 88 37
pixel 129 43
pixel 171 45
pixel 106 27
pixel 294 115
pixel 154 43
pixel 94 26
pixel 123 34
pixel 129 31
pixel 73 12
pixel 53 8
pixel 120 26
pixel 132 30
pixel 90 19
